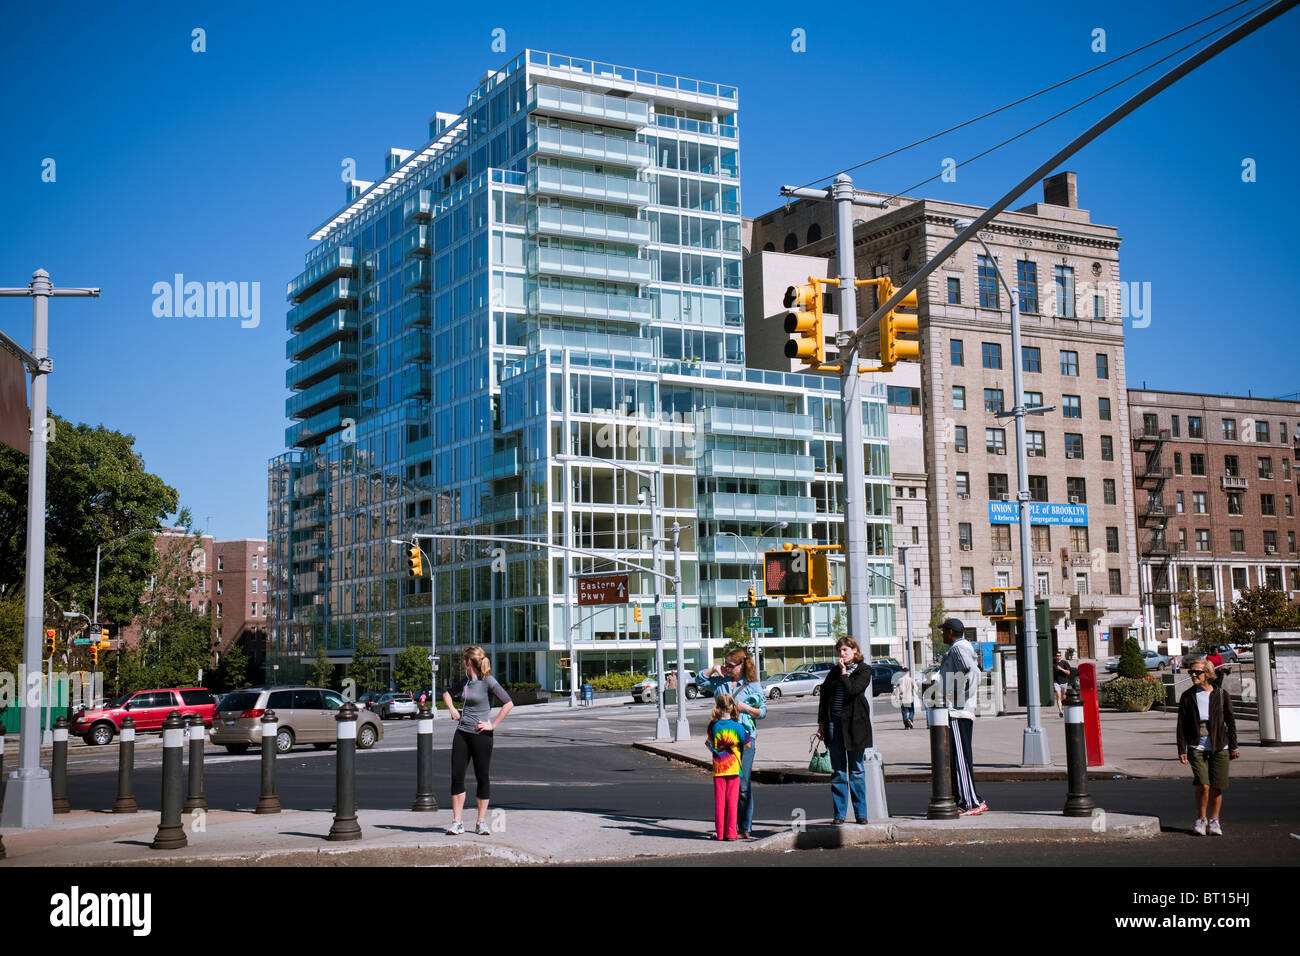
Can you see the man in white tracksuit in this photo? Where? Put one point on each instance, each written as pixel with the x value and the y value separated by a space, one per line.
pixel 959 677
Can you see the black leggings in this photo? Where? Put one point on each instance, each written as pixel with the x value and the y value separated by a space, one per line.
pixel 464 748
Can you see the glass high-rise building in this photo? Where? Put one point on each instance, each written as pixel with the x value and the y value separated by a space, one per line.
pixel 571 238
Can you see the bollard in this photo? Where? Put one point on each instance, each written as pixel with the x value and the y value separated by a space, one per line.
pixel 1078 802
pixel 59 767
pixel 424 796
pixel 268 802
pixel 171 835
pixel 942 806
pixel 196 799
pixel 345 825
pixel 125 802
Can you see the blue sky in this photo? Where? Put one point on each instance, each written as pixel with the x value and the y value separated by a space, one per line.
pixel 217 164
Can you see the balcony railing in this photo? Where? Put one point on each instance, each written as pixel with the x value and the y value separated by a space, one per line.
pixel 588 265
pixel 339 357
pixel 320 333
pixel 332 391
pixel 417 313
pixel 591 147
pixel 339 262
pixel 620 110
pixel 314 430
pixel 753 464
pixel 1233 483
pixel 418 241
pixel 595 187
pixel 1149 435
pixel 578 223
pixel 417 275
pixel 419 206
pixel 724 505
pixel 724 549
pixel 331 297
pixel 501 508
pixel 416 348
pixel 595 305
pixel 417 383
pixel 745 421
pixel 502 464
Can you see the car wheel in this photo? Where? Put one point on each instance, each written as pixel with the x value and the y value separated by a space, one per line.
pixel 284 741
pixel 237 748
pixel 366 736
pixel 817 691
pixel 776 694
pixel 100 735
pixel 692 693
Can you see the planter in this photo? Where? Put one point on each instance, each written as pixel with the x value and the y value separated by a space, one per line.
pixel 1132 706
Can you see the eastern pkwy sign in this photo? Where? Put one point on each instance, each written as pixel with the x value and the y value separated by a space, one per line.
pixel 606 589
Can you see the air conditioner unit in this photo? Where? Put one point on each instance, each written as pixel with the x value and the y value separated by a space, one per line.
pixel 1073 454
pixel 966 547
pixel 961 449
pixel 1005 497
pixel 1270 549
pixel 963 496
pixel 967 590
pixel 999 451
pixel 1074 499
pixel 1268 474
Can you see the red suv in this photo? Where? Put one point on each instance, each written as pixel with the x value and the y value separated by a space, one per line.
pixel 148 709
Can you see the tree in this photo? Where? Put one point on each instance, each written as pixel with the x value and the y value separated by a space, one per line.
pixel 1202 624
pixel 411 669
pixel 365 666
pixel 322 671
pixel 233 671
pixel 1131 662
pixel 1259 609
pixel 938 615
pixel 97 490
pixel 838 627
pixel 737 635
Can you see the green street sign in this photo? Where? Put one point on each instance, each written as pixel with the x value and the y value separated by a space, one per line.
pixel 755 622
pixel 761 602
pixel 762 630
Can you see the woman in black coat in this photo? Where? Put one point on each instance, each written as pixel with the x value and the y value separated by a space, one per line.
pixel 844 722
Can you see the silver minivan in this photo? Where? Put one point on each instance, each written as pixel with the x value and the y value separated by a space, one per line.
pixel 305 715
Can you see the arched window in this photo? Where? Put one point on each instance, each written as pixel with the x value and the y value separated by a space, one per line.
pixel 769 247
pixel 791 242
pixel 814 233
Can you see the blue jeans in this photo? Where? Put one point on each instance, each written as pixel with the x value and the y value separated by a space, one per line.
pixel 909 714
pixel 745 806
pixel 848 775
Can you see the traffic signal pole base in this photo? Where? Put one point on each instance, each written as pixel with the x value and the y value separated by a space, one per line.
pixel 683 730
pixel 661 729
pixel 29 800
pixel 1036 752
pixel 877 805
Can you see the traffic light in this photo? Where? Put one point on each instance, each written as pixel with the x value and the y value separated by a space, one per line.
pixel 753 598
pixel 805 321
pixel 49 644
pixel 993 604
pixel 414 562
pixel 785 573
pixel 94 654
pixel 565 663
pixel 636 613
pixel 892 325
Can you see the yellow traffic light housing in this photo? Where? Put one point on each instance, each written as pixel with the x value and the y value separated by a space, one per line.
pixel 892 325
pixel 753 598
pixel 414 562
pixel 94 654
pixel 636 613
pixel 805 321
pixel 49 643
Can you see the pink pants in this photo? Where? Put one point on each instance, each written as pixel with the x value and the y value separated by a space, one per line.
pixel 726 794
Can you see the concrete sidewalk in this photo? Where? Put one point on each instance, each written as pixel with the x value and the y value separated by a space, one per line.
pixel 1133 745
pixel 391 837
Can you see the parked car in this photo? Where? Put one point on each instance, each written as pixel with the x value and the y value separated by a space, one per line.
pixel 887 660
pixel 396 705
pixel 644 692
pixel 1155 661
pixel 793 684
pixel 820 668
pixel 1243 652
pixel 883 678
pixel 305 715
pixel 147 708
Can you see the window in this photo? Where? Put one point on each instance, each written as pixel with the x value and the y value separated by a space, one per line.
pixel 218 610
pixel 916 535
pixel 1108 491
pixel 955 354
pixel 1004 579
pixel 1261 432
pixel 1266 468
pixel 1103 366
pixel 1107 448
pixel 992 354
pixel 1205 579
pixel 1287 504
pixel 1162 617
pixel 1078 537
pixel 1038 487
pixel 254 582
pixel 1027 276
pixel 1234 502
pixel 1077 488
pixel 963 483
pixel 959 438
pixel 254 562
pixel 1071 407
pixel 1230 467
pixel 1237 542
pixel 995 441
pixel 221 563
pixel 1194 429
pixel 1270 541
pixel 1150 424
pixel 1114 581
pixel 1273 578
pixel 898 515
pixel 954 291
pixel 1266 505
pixel 1001 537
pixel 1290 541
pixel 1042 537
pixel 1031 359
pixel 1043 585
pixel 1035 446
pixel 219 585
pixel 1178 463
pixel 1173 422
pixel 993 400
pixel 1103 409
pixel 1099 307
pixel 1081 582
pixel 1112 540
pixel 1074 445
pixel 997 487
pixel 1286 469
pixel 1178 497
pixel 1064 278
pixel 1202 539
pixel 1229 429
pixel 252 612
pixel 968 580
pixel 1198 463
pixel 959 398
pixel 1069 363
pixel 988 280
pixel 1184 579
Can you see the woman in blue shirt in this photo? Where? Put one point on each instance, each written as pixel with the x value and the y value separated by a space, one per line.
pixel 738 677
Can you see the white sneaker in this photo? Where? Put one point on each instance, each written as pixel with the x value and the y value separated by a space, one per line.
pixel 457 828
pixel 482 829
pixel 1215 829
pixel 1199 825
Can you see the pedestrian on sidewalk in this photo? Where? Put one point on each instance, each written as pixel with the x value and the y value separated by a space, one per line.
pixel 727 740
pixel 844 722
pixel 1207 739
pixel 959 677
pixel 738 677
pixel 906 690
pixel 473 737
pixel 1061 676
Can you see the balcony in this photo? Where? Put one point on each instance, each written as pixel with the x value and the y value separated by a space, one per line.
pixel 308 518
pixel 417 275
pixel 1150 436
pixel 1154 511
pixel 342 324
pixel 340 262
pixel 591 147
pixel 727 506
pixel 418 242
pixel 593 187
pixel 314 430
pixel 744 421
pixel 581 224
pixel 332 391
pixel 308 582
pixel 416 348
pixel 1089 603
pixel 545 260
pixel 1153 475
pixel 333 296
pixel 594 305
pixel 747 464
pixel 727 592
pixel 417 383
pixel 339 357
pixel 724 549
pixel 500 508
pixel 418 207
pixel 1233 483
pixel 608 110
pixel 417 313
pixel 502 464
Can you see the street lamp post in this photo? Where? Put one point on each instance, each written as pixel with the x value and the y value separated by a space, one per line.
pixel 1034 751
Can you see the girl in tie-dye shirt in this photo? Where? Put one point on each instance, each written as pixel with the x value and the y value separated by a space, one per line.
pixel 726 738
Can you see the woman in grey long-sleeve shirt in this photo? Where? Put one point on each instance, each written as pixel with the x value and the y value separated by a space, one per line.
pixel 473 737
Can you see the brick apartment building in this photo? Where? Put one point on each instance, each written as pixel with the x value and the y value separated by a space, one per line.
pixel 1216 486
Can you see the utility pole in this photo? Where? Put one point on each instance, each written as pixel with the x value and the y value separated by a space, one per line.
pixel 567 474
pixel 907 611
pixel 29 799
pixel 683 731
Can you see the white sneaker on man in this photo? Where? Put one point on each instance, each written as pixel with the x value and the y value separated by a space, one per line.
pixel 482 829
pixel 1199 826
pixel 1215 829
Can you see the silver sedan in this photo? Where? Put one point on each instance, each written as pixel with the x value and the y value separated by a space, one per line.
pixel 795 684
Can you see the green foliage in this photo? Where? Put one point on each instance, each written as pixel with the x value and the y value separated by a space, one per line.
pixel 1259 609
pixel 737 635
pixel 322 671
pixel 365 665
pixel 1131 662
pixel 233 671
pixel 938 615
pixel 411 669
pixel 615 681
pixel 1202 623
pixel 1134 693
pixel 11 632
pixel 838 626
